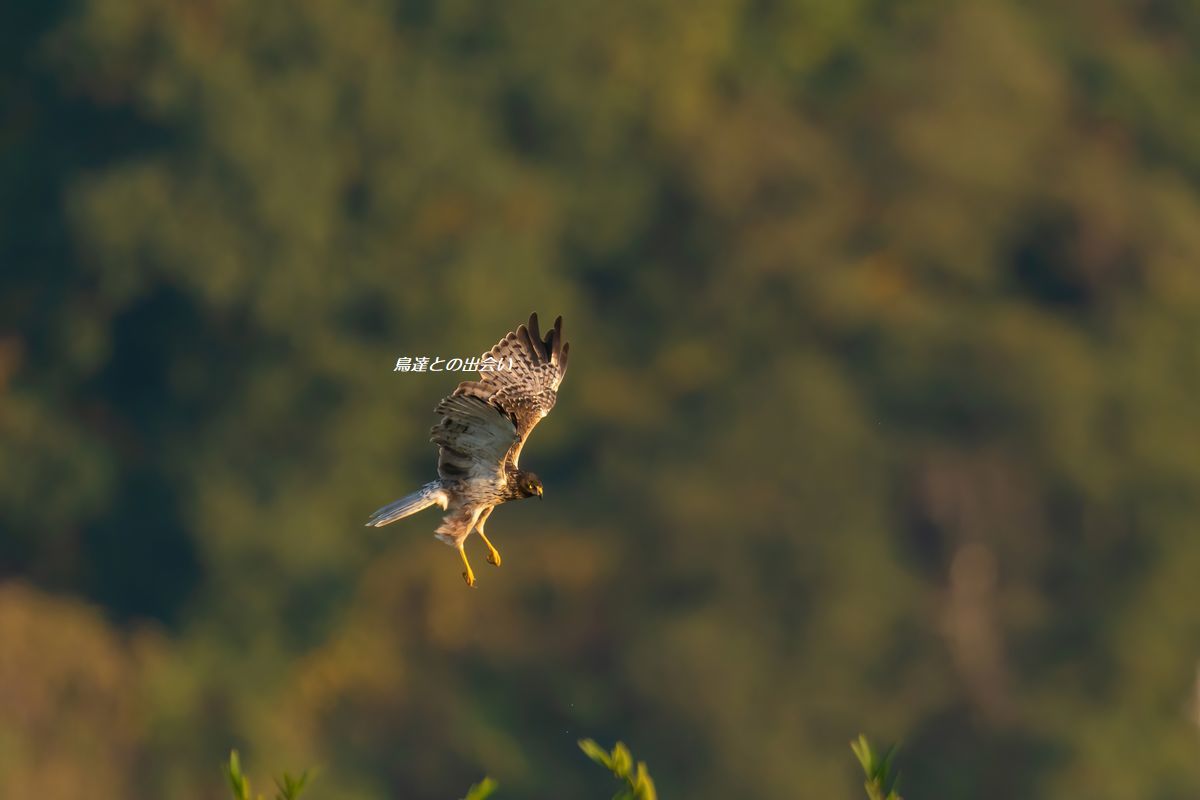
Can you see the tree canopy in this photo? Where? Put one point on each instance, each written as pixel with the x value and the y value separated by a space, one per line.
pixel 885 323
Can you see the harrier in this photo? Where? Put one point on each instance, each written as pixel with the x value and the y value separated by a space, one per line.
pixel 484 425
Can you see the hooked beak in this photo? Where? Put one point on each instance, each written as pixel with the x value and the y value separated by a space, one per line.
pixel 539 491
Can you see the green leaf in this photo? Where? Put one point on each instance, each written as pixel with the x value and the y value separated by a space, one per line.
pixel 643 786
pixel 886 766
pixel 881 783
pixel 638 785
pixel 289 787
pixel 622 761
pixel 595 752
pixel 481 790
pixel 237 781
pixel 862 749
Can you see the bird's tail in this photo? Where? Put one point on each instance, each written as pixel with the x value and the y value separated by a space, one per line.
pixel 431 494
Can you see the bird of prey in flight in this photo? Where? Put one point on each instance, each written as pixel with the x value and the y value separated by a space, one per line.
pixel 484 425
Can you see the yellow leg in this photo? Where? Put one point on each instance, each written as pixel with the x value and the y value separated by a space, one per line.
pixel 493 554
pixel 469 575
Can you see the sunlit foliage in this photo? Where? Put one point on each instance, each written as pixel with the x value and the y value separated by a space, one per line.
pixel 885 323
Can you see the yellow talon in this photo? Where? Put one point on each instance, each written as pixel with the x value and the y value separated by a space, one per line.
pixel 469 575
pixel 493 554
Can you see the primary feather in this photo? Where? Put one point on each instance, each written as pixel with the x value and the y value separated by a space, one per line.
pixel 527 391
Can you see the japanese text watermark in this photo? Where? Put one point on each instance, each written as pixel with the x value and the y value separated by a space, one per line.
pixel 435 364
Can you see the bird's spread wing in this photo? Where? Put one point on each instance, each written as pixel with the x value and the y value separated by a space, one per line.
pixel 525 384
pixel 473 439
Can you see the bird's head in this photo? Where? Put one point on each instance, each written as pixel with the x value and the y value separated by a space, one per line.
pixel 529 485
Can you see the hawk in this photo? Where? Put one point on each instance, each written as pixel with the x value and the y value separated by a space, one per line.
pixel 484 425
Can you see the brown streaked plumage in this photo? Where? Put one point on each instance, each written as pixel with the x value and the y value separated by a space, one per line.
pixel 484 424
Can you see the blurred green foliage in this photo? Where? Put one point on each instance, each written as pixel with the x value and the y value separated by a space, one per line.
pixel 289 788
pixel 637 782
pixel 886 333
pixel 880 785
pixel 882 782
pixel 482 790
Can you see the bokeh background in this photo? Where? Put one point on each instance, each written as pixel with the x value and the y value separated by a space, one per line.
pixel 881 417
